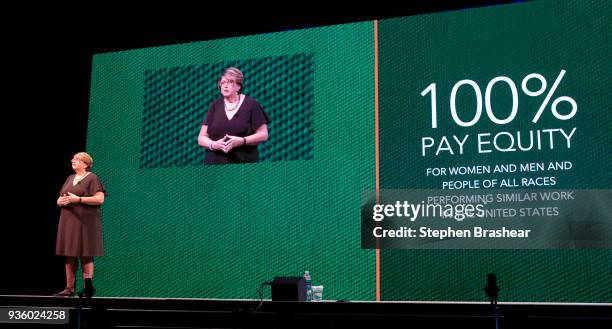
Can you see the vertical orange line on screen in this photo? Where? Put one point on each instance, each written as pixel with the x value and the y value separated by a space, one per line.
pixel 376 150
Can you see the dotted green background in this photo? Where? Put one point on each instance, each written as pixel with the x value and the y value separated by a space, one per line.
pixel 175 228
pixel 176 100
pixel 510 40
pixel 180 230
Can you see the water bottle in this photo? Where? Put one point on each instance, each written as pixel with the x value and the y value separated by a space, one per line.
pixel 308 286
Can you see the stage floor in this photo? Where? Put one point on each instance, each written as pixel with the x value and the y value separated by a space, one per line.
pixel 121 312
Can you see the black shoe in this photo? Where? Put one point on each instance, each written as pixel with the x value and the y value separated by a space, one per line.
pixel 88 290
pixel 65 293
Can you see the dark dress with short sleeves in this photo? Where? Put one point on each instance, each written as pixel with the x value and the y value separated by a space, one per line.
pixel 245 122
pixel 80 229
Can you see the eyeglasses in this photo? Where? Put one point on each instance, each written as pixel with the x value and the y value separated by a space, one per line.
pixel 231 82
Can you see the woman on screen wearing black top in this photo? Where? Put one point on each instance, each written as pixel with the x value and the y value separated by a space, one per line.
pixel 234 124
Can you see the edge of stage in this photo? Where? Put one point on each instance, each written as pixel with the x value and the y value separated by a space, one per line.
pixel 116 312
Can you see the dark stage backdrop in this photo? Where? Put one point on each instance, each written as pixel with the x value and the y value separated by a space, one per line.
pixel 176 228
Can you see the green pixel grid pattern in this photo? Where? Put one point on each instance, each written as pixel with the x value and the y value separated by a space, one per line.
pixel 219 232
pixel 182 230
pixel 511 40
pixel 176 101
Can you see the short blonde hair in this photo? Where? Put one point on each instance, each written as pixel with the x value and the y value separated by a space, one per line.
pixel 86 158
pixel 235 74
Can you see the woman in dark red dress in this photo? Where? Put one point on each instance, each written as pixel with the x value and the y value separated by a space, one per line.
pixel 234 124
pixel 79 234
